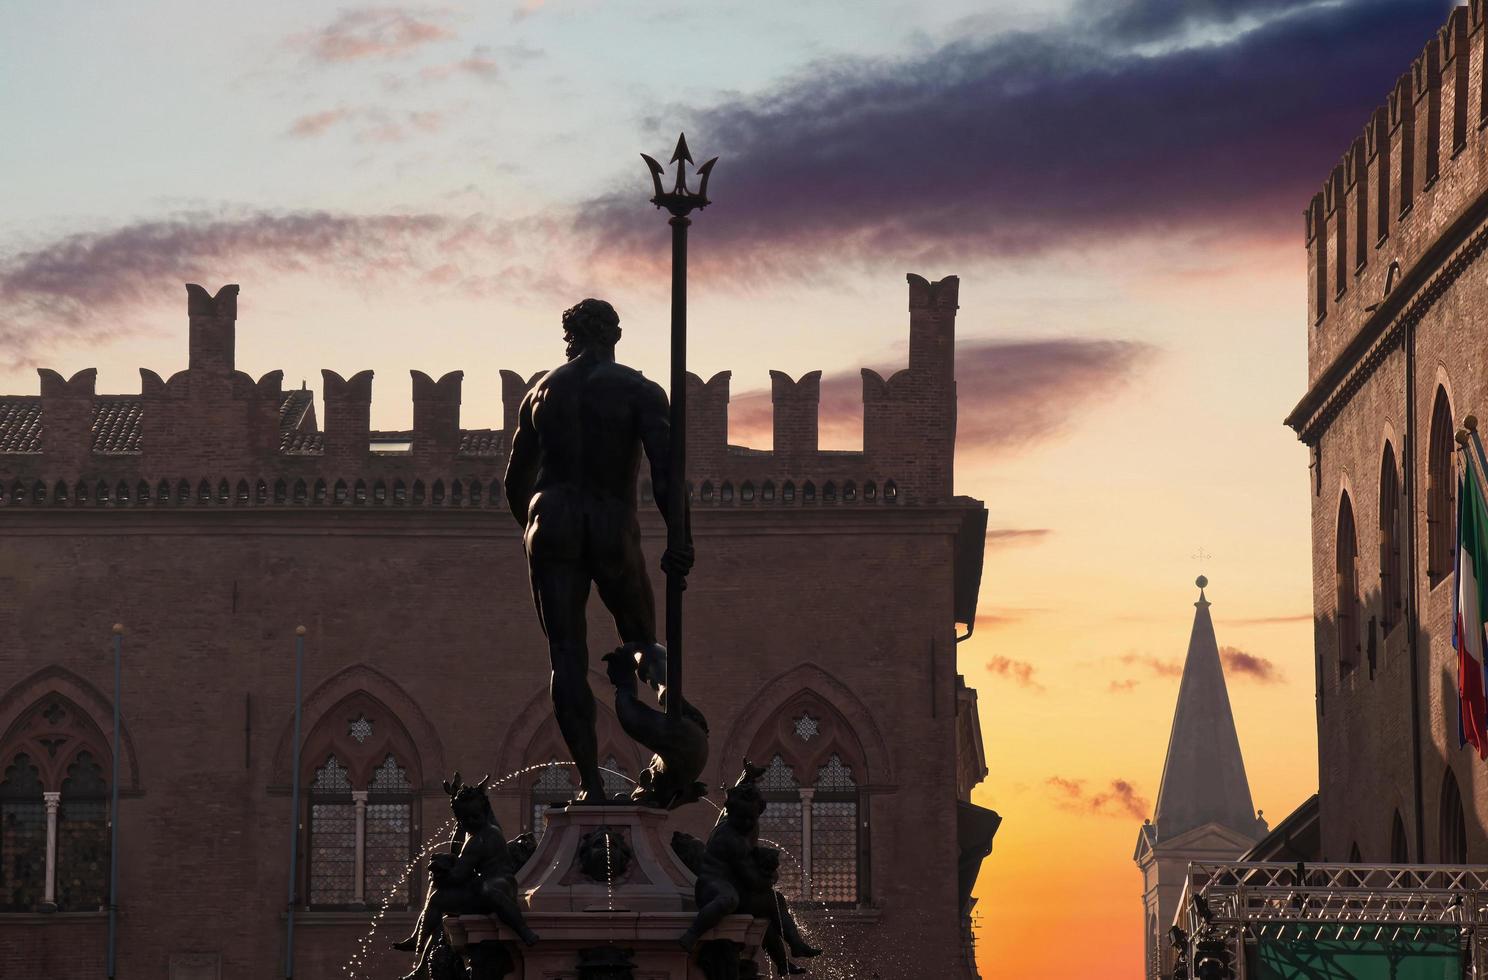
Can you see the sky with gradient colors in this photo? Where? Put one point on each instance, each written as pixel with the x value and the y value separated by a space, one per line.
pixel 1118 183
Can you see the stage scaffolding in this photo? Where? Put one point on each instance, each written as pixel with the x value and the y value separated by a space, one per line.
pixel 1232 905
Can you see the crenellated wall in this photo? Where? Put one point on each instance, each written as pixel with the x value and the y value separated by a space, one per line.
pixel 213 435
pixel 1419 165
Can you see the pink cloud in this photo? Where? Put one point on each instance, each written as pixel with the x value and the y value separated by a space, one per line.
pixel 375 33
pixel 1017 671
pixel 1157 665
pixel 1248 665
pixel 479 64
pixel 1120 799
pixel 318 123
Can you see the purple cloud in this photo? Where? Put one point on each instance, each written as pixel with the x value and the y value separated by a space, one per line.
pixel 85 286
pixel 1011 393
pixel 1017 143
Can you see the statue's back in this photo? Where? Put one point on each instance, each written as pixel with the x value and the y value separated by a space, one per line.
pixel 587 414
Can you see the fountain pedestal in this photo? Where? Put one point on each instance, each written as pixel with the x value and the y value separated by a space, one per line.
pixel 609 899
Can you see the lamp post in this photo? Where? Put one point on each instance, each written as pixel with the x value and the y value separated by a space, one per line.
pixel 113 895
pixel 294 795
pixel 679 202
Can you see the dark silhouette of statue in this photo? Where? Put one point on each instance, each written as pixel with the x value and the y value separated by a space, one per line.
pixel 571 485
pixel 479 878
pixel 735 874
pixel 680 744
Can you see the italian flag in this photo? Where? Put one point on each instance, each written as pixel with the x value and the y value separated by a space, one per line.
pixel 1470 600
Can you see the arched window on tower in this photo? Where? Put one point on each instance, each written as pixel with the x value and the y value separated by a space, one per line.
pixel 812 787
pixel 1347 594
pixel 361 769
pixel 1452 841
pixel 1399 846
pixel 54 838
pixel 1441 492
pixel 1392 603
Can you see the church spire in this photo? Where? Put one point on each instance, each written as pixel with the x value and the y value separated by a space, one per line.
pixel 1203 779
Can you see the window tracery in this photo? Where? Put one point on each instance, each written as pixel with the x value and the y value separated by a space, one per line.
pixel 361 769
pixel 812 787
pixel 54 810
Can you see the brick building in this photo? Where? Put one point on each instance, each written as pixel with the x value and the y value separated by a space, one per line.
pixel 1398 320
pixel 213 513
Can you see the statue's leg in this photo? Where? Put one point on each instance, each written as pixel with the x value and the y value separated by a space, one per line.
pixel 509 911
pixel 624 586
pixel 718 899
pixel 792 932
pixel 562 589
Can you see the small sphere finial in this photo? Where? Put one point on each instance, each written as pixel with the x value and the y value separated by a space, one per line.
pixel 118 629
pixel 1471 422
pixel 1202 582
pixel 299 631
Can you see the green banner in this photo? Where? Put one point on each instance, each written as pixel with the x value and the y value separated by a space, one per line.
pixel 1357 959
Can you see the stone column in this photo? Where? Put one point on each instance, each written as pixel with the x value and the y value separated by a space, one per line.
pixel 359 893
pixel 807 795
pixel 53 804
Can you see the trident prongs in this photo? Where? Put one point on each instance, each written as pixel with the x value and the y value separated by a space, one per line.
pixel 680 200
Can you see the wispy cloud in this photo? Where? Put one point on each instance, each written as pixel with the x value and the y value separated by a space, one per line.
pixel 1002 536
pixel 1122 686
pixel 1011 393
pixel 375 33
pixel 1018 671
pixel 1119 799
pixel 1157 666
pixel 1249 666
pixel 1301 617
pixel 480 63
pixel 62 291
pixel 318 123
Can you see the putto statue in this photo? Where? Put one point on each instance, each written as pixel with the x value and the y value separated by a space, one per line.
pixel 571 485
pixel 479 878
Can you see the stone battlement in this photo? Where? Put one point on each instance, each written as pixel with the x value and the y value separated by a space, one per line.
pixel 1419 166
pixel 212 434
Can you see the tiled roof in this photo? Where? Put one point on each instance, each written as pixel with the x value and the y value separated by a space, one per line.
pixel 480 442
pixel 117 422
pixel 302 443
pixel 20 424
pixel 292 410
pixel 116 425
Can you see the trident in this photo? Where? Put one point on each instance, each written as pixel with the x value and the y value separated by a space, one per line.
pixel 680 202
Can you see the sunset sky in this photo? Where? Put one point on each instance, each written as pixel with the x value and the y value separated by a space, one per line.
pixel 1118 183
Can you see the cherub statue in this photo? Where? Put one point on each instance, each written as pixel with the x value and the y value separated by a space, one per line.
pixel 479 879
pixel 783 938
pixel 729 872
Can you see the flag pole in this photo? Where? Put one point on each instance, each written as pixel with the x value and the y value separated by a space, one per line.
pixel 113 895
pixel 1470 425
pixel 294 813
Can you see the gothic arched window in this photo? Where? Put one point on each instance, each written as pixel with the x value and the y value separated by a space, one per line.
pixel 1399 847
pixel 1392 605
pixel 361 770
pixel 1441 492
pixel 1452 844
pixel 1347 579
pixel 54 836
pixel 812 786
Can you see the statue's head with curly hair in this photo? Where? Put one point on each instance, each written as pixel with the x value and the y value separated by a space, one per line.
pixel 591 324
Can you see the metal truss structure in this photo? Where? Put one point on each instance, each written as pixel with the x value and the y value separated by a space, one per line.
pixel 1225 905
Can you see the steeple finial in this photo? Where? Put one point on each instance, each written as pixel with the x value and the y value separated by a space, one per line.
pixel 1202 582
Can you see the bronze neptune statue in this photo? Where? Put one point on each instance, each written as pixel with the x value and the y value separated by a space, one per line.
pixel 571 485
